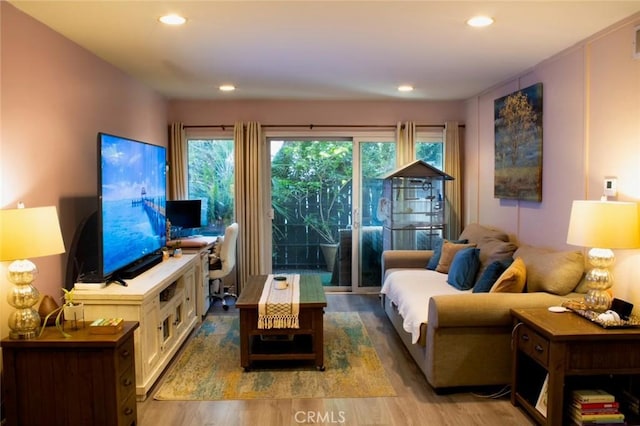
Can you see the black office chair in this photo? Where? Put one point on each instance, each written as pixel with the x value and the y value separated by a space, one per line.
pixel 221 265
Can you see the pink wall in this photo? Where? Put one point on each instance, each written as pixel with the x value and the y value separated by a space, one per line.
pixel 315 112
pixel 591 129
pixel 55 97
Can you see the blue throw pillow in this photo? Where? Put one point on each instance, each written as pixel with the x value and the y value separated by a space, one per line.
pixel 491 275
pixel 464 267
pixel 437 251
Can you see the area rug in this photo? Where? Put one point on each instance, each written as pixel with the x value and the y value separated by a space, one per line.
pixel 208 368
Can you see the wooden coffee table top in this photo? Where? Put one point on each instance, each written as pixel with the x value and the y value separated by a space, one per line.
pixel 311 292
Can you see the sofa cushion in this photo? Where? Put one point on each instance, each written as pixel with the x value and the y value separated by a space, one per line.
pixel 556 272
pixel 476 233
pixel 491 275
pixel 513 279
pixel 437 251
pixel 449 250
pixel 464 267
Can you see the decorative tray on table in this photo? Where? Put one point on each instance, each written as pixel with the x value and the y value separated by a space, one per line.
pixel 605 321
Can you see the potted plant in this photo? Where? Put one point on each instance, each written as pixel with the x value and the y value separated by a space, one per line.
pixel 72 311
pixel 69 311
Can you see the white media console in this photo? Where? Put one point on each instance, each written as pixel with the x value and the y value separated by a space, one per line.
pixel 163 301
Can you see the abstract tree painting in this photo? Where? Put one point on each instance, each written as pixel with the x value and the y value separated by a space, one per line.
pixel 518 145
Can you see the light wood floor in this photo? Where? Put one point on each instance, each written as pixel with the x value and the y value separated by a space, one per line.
pixel 415 404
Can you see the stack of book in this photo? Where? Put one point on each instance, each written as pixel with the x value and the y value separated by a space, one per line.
pixel 595 407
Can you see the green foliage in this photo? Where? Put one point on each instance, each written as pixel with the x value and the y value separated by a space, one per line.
pixel 211 177
pixel 316 175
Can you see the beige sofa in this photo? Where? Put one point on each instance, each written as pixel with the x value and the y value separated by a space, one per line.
pixel 459 338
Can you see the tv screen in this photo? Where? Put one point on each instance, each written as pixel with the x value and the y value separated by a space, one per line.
pixel 131 197
pixel 185 214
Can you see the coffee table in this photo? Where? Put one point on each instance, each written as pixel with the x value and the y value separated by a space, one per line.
pixel 282 344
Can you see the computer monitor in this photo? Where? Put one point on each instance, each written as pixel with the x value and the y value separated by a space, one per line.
pixel 184 214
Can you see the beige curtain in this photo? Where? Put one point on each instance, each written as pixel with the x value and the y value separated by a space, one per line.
pixel 251 175
pixel 177 163
pixel 405 142
pixel 453 188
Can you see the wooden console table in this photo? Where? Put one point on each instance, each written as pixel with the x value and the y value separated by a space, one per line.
pixel 86 379
pixel 306 342
pixel 572 351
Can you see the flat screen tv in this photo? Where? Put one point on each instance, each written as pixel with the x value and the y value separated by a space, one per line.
pixel 131 206
pixel 184 215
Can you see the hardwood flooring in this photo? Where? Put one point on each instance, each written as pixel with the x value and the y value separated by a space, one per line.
pixel 415 404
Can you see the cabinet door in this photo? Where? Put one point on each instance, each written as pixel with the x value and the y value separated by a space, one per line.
pixel 202 285
pixel 189 293
pixel 150 335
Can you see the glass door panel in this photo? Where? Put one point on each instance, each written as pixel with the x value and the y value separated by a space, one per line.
pixel 311 197
pixel 375 159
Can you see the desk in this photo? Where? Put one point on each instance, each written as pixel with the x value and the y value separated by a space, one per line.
pixel 567 347
pixel 201 246
pixel 307 343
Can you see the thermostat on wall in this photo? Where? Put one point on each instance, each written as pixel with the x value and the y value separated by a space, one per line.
pixel 610 186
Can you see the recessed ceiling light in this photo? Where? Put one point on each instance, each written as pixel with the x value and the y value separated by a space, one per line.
pixel 405 88
pixel 480 21
pixel 227 88
pixel 172 19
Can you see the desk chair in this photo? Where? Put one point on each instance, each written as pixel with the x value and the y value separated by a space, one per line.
pixel 221 265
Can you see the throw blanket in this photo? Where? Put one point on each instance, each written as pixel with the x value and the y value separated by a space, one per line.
pixel 279 308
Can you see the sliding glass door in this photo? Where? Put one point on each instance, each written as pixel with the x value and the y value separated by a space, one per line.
pixel 311 198
pixel 325 195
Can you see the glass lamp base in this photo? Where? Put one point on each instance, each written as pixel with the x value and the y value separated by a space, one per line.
pixel 598 300
pixel 23 335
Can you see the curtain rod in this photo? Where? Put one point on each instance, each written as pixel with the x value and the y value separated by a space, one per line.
pixel 312 126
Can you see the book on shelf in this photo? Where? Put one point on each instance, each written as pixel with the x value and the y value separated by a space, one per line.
pixel 541 403
pixel 595 406
pixel 592 395
pixel 598 417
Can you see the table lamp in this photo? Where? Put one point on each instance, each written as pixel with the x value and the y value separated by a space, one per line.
pixel 602 225
pixel 27 233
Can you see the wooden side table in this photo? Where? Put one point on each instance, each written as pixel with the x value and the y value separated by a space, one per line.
pixel 86 379
pixel 567 347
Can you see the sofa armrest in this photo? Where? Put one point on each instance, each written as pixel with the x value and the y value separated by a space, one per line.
pixel 486 309
pixel 405 259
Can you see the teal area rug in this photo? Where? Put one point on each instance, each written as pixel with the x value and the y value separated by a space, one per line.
pixel 208 368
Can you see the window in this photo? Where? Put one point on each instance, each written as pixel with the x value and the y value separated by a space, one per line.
pixel 429 148
pixel 211 170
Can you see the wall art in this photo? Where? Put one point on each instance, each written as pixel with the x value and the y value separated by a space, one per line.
pixel 518 145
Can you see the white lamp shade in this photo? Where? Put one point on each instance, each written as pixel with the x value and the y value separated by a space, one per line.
pixel 604 224
pixel 28 233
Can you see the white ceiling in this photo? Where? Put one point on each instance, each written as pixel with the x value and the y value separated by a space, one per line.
pixel 305 49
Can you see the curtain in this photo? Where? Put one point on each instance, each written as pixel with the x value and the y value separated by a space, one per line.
pixel 453 188
pixel 251 175
pixel 405 142
pixel 177 163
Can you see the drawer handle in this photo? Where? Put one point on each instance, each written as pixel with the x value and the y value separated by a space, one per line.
pixel 539 348
pixel 128 411
pixel 127 382
pixel 125 353
pixel 525 337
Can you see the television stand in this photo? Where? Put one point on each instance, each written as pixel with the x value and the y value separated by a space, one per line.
pixel 140 266
pixel 163 301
